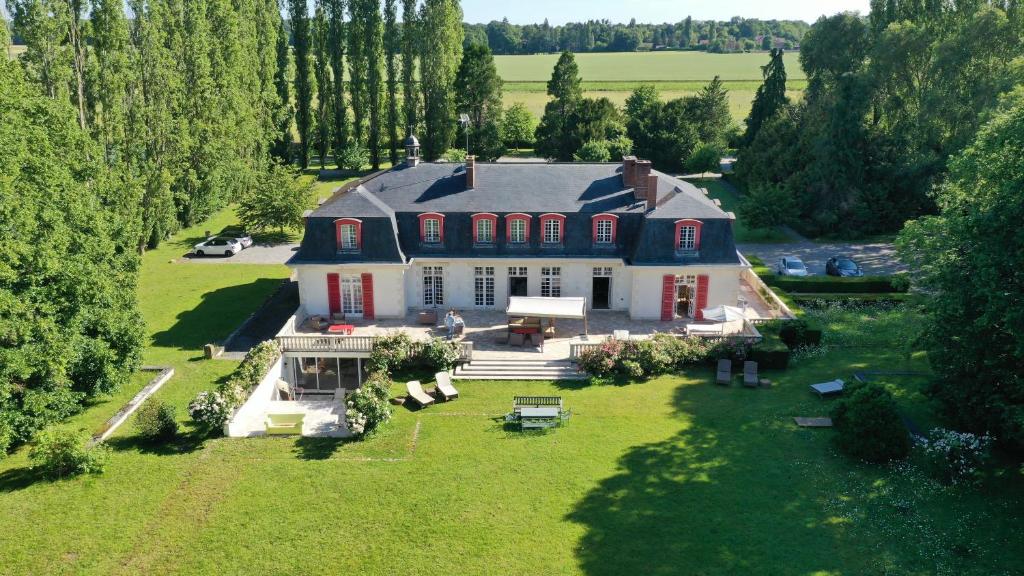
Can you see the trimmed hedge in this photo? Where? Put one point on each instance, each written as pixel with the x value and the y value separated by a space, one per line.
pixel 770 354
pixel 833 284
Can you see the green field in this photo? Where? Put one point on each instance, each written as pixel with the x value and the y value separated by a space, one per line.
pixel 646 66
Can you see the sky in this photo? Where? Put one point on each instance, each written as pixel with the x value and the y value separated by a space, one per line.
pixel 652 11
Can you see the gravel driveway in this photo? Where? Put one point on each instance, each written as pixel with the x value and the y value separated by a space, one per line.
pixel 875 258
pixel 255 254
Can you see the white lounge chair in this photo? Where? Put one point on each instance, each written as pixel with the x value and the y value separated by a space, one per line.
pixel 828 388
pixel 444 386
pixel 417 395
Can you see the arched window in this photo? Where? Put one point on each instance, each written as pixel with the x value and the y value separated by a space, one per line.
pixel 604 228
pixel 431 228
pixel 552 228
pixel 517 228
pixel 348 233
pixel 485 226
pixel 687 236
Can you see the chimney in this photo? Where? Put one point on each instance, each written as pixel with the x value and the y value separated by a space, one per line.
pixel 652 191
pixel 628 171
pixel 640 180
pixel 470 172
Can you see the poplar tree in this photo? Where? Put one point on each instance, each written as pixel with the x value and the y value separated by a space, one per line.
pixel 299 17
pixel 357 64
pixel 113 84
pixel 442 53
pixel 392 41
pixel 281 147
pixel 373 29
pixel 410 45
pixel 323 83
pixel 336 49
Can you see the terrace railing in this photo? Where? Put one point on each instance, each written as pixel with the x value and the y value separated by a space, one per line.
pixel 314 343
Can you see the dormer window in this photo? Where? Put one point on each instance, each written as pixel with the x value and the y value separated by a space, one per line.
pixel 552 227
pixel 517 228
pixel 348 234
pixel 604 229
pixel 484 226
pixel 687 237
pixel 431 228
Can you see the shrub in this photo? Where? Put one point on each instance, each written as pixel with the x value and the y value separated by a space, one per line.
pixel 593 151
pixel 454 155
pixel 956 457
pixel 640 359
pixel 770 354
pixel 830 284
pixel 353 157
pixel 155 422
pixel 390 352
pixel 798 333
pixel 61 453
pixel 210 411
pixel 367 407
pixel 868 426
pixel 438 354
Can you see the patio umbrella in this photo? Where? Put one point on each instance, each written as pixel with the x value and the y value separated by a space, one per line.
pixel 723 313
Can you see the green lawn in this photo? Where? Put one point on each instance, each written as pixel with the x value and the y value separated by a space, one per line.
pixel 725 192
pixel 671 476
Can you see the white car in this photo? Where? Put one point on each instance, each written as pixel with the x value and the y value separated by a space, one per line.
pixel 218 245
pixel 791 266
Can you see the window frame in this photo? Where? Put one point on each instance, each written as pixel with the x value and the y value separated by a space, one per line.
pixel 677 238
pixel 476 223
pixel 559 219
pixel 424 218
pixel 551 281
pixel 509 220
pixel 599 219
pixel 357 227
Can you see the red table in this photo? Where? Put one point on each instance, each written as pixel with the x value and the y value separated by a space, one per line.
pixel 341 329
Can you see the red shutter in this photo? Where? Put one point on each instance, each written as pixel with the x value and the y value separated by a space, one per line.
pixel 333 294
pixel 367 279
pixel 668 297
pixel 702 296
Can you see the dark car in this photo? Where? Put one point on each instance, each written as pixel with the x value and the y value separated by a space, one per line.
pixel 243 237
pixel 842 266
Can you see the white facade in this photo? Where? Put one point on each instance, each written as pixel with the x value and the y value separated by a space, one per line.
pixel 485 284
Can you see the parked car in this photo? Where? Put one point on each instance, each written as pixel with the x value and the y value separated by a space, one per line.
pixel 218 245
pixel 842 266
pixel 243 237
pixel 791 266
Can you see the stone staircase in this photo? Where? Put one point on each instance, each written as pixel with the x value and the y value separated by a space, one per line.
pixel 515 369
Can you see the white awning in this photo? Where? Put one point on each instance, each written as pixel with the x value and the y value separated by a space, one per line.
pixel 547 307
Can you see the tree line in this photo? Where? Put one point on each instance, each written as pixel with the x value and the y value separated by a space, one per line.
pixel 890 98
pixel 737 34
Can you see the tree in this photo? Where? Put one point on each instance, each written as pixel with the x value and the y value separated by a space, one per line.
pixel 276 201
pixel 712 113
pixel 299 18
pixel 593 151
pixel 357 68
pixel 868 426
pixel 324 92
pixel 687 38
pixel 410 44
pixel 372 29
pixel 392 43
pixel 67 283
pixel 642 110
pixel 565 88
pixel 281 147
pixel 965 262
pixel 336 49
pixel 478 94
pixel 705 158
pixel 767 206
pixel 441 55
pixel 518 126
pixel 770 95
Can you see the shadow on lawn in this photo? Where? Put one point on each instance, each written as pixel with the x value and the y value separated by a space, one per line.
pixel 715 498
pixel 182 444
pixel 219 312
pixel 14 479
pixel 312 448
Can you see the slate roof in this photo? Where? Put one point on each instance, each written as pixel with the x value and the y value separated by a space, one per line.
pixel 389 204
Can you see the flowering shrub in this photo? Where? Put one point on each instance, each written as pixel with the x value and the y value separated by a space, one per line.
pixel 439 355
pixel 367 407
pixel 640 359
pixel 955 457
pixel 210 410
pixel 397 351
pixel 390 352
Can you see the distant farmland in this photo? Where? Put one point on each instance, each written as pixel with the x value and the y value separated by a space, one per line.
pixel 675 74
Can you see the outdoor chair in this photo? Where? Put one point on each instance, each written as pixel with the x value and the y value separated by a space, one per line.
pixel 417 395
pixel 750 378
pixel 283 424
pixel 515 339
pixel 724 375
pixel 537 339
pixel 444 386
pixel 337 318
pixel 828 388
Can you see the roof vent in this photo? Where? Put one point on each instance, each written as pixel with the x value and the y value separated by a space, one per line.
pixel 412 150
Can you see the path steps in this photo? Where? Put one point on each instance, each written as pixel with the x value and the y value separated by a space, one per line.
pixel 509 369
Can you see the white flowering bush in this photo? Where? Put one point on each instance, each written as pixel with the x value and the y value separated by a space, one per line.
pixel 367 408
pixel 955 457
pixel 210 410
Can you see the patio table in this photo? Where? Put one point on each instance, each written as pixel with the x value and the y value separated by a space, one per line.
pixel 341 329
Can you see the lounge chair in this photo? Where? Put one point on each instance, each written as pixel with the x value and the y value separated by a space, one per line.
pixel 417 395
pixel 750 378
pixel 828 388
pixel 444 386
pixel 284 424
pixel 724 375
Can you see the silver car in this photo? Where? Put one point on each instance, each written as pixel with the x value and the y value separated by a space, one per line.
pixel 218 245
pixel 791 266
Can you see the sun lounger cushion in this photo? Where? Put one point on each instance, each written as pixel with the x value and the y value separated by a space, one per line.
pixel 416 393
pixel 444 386
pixel 826 388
